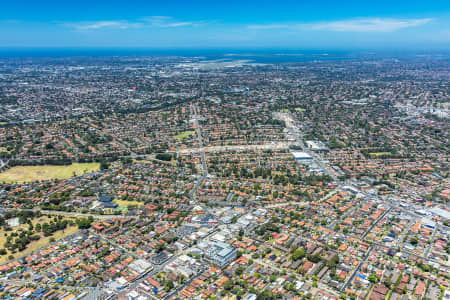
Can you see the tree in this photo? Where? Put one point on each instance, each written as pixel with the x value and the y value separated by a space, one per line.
pixel 104 165
pixel 83 223
pixel 240 270
pixel 267 295
pixel 169 285
pixel 160 247
pixel 314 258
pixel 373 278
pixel 228 285
pixel 333 261
pixel 164 156
pixel 298 253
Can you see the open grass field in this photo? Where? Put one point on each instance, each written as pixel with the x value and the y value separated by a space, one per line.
pixel 20 174
pixel 124 203
pixel 35 245
pixel 299 109
pixel 184 135
pixel 146 161
pixel 378 154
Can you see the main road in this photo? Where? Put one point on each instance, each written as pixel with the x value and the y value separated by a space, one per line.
pixel 363 261
pixel 297 134
pixel 71 214
pixel 268 146
pixel 202 155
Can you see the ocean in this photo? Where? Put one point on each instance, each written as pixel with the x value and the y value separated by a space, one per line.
pixel 255 55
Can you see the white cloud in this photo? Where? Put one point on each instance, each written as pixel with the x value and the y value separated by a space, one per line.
pixel 367 25
pixel 102 24
pixel 269 26
pixel 153 21
pixel 167 22
pixel 352 25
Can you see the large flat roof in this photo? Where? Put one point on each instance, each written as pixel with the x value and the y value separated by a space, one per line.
pixel 440 212
pixel 303 155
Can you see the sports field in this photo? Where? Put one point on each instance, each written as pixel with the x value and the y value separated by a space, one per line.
pixel 20 174
pixel 378 154
pixel 124 203
pixel 184 134
pixel 35 245
pixel 299 109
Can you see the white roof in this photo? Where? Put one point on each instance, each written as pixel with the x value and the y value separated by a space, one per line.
pixel 301 155
pixel 133 294
pixel 197 208
pixel 440 212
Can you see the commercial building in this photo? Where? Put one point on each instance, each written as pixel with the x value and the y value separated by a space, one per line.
pixel 220 253
pixel 317 146
pixel 302 157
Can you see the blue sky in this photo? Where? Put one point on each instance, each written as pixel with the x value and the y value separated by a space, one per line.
pixel 377 24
